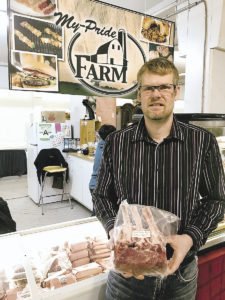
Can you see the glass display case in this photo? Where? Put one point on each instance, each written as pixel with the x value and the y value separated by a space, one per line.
pixel 38 263
pixel 30 259
pixel 13 276
pixel 215 123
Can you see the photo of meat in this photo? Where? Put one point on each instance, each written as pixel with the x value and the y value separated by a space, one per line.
pixel 33 71
pixel 157 50
pixel 155 30
pixel 36 8
pixel 39 36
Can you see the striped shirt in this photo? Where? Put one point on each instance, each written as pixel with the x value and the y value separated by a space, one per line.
pixel 183 174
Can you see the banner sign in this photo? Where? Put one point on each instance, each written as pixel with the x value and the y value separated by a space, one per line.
pixel 82 47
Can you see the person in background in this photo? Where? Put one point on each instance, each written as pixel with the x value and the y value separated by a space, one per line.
pixel 7 224
pixel 103 132
pixel 167 164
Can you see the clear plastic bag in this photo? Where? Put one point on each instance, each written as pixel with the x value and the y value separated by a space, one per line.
pixel 140 239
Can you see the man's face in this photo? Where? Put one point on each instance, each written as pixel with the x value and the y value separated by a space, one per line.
pixel 157 104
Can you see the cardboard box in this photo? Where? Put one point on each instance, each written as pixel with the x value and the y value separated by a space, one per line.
pixel 87 131
pixel 53 116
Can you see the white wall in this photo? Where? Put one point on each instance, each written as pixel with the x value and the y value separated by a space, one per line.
pixel 205 69
pixel 215 61
pixel 139 6
pixel 4 52
pixel 16 110
pixel 216 82
pixel 191 44
pixel 77 112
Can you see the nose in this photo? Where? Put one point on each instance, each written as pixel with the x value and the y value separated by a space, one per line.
pixel 156 92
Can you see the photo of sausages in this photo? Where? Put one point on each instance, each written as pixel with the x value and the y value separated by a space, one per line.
pixel 36 35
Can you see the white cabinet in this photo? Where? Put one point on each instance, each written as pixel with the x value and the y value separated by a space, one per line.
pixel 80 170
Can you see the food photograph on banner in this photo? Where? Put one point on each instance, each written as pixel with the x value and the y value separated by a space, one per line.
pixel 34 35
pixel 157 50
pixel 157 31
pixel 33 71
pixel 35 8
pixel 98 47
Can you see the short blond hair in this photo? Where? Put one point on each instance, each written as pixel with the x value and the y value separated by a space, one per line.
pixel 160 66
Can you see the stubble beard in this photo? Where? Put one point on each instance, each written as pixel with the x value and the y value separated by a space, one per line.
pixel 159 117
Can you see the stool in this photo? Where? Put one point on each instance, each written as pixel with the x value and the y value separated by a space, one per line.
pixel 52 170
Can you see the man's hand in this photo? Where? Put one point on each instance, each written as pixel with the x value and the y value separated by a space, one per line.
pixel 181 244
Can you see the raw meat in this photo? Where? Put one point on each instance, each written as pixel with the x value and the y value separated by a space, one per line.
pixel 139 245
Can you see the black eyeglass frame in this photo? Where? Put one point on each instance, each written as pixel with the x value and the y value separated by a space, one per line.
pixel 152 88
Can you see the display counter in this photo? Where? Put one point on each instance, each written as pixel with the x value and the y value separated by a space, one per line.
pixel 29 253
pixel 82 156
pixel 211 263
pixel 216 238
pixel 80 170
pixel 25 255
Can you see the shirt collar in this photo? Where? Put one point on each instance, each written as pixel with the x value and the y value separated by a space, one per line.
pixel 140 132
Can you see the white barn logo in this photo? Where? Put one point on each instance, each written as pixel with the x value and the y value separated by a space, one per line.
pixel 109 64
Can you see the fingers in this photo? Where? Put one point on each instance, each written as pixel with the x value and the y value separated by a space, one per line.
pixel 171 239
pixel 174 263
pixel 126 275
pixel 129 275
pixel 140 277
pixel 181 244
pixel 172 267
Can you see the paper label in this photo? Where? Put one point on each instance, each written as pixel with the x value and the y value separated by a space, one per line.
pixel 141 234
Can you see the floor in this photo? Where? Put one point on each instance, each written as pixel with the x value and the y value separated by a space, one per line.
pixel 27 214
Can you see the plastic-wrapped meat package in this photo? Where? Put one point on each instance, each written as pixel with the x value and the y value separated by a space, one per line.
pixel 140 239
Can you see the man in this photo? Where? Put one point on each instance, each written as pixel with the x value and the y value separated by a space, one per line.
pixel 167 164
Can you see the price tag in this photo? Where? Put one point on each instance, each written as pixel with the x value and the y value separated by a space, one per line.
pixel 141 234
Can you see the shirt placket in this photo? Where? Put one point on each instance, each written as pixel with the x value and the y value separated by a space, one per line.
pixel 156 174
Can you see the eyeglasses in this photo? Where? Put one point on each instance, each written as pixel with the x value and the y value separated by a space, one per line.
pixel 163 88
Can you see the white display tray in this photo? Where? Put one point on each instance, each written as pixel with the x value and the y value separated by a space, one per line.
pixel 28 242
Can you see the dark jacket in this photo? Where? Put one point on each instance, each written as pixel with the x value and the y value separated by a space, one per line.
pixel 50 157
pixel 7 224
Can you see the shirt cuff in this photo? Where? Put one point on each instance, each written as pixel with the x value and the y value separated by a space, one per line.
pixel 196 235
pixel 109 225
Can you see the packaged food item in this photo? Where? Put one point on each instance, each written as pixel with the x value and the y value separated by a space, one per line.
pixel 98 249
pixel 20 280
pixel 140 239
pixel 2 291
pixel 24 294
pixel 58 262
pixel 80 262
pixel 87 271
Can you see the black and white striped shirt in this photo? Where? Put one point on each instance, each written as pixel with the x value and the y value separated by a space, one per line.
pixel 183 175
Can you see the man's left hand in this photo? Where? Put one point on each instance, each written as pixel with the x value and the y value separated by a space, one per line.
pixel 181 244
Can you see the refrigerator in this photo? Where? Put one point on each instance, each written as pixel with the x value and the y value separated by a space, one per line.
pixel 43 136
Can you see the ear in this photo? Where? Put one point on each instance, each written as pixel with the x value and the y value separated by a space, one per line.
pixel 138 96
pixel 177 92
